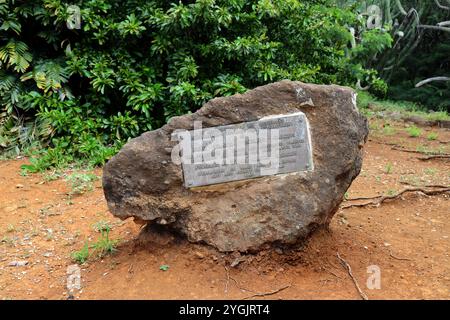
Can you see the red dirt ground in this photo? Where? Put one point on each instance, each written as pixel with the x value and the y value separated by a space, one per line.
pixel 408 238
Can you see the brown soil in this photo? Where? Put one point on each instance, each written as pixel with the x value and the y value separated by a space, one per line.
pixel 408 238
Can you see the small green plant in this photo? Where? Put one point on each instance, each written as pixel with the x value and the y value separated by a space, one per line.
pixel 105 245
pixel 10 228
pixel 82 255
pixel 432 136
pixel 81 182
pixel 414 132
pixel 164 267
pixel 388 169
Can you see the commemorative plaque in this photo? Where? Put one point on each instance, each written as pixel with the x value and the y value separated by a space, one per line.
pixel 273 145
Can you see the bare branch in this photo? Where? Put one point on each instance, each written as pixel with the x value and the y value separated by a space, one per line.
pixel 441 6
pixel 378 200
pixel 359 87
pixel 421 83
pixel 425 26
pixel 400 7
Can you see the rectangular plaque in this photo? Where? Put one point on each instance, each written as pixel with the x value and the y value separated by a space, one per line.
pixel 272 145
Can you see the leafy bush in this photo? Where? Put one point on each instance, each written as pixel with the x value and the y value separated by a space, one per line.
pixel 134 64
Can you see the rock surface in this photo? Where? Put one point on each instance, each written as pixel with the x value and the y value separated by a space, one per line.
pixel 142 182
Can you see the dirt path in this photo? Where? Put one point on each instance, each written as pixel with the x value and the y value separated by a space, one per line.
pixel 407 238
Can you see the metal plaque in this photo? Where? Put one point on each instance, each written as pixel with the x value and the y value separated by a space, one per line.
pixel 272 145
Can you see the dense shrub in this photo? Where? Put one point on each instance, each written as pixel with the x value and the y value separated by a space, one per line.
pixel 81 93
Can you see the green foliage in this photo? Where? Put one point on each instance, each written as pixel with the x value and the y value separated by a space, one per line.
pixel 432 136
pixel 379 88
pixel 15 55
pixel 371 105
pixel 388 169
pixel 164 267
pixel 103 246
pixel 82 255
pixel 414 131
pixel 134 64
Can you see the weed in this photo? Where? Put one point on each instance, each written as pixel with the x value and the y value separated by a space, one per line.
pixel 366 101
pixel 82 255
pixel 414 132
pixel 105 245
pixel 430 171
pixel 388 169
pixel 432 136
pixel 164 267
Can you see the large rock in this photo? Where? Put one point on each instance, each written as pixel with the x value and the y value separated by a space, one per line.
pixel 142 182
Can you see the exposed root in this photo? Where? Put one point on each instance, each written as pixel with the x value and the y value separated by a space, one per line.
pixel 438 156
pixel 349 270
pixel 431 154
pixel 263 294
pixel 398 258
pixel 255 294
pixel 227 282
pixel 378 200
pixel 441 186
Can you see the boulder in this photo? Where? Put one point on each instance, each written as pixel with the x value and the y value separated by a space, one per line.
pixel 143 182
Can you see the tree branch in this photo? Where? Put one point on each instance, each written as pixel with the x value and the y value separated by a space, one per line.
pixel 400 7
pixel 425 26
pixel 421 83
pixel 441 6
pixel 444 24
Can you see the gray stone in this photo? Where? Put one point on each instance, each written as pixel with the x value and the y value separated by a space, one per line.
pixel 18 263
pixel 142 182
